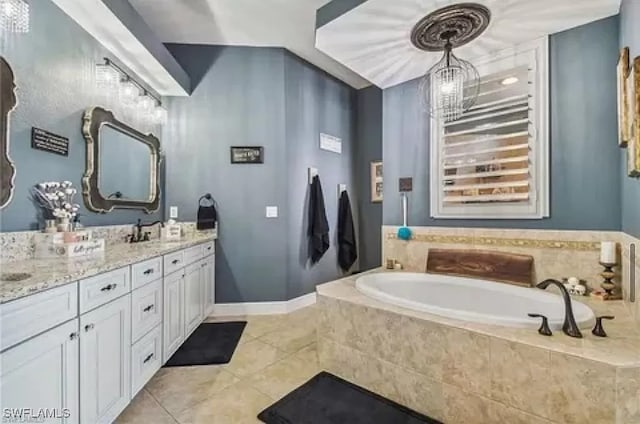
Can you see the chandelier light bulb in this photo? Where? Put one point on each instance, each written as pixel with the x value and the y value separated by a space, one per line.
pixel 14 16
pixel 128 92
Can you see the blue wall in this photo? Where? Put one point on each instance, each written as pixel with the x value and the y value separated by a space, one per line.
pixel 368 149
pixel 315 103
pixel 630 37
pixel 266 97
pixel 54 66
pixel 239 100
pixel 585 176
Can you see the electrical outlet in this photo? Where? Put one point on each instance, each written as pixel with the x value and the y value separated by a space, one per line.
pixel 272 212
pixel 173 212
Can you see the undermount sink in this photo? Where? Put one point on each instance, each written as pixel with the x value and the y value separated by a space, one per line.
pixel 14 276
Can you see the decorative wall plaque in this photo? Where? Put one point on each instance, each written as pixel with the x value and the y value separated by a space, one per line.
pixel 8 102
pixel 49 142
pixel 247 154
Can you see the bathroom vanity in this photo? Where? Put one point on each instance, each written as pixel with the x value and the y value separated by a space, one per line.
pixel 82 338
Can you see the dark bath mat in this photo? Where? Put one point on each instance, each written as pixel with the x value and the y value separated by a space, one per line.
pixel 327 399
pixel 210 343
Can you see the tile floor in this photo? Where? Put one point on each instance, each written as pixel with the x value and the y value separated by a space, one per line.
pixel 276 354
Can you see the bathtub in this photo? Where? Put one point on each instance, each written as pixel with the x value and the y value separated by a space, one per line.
pixel 470 299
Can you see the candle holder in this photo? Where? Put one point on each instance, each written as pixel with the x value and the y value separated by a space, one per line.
pixel 611 289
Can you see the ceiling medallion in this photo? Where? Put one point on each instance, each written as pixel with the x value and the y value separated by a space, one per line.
pixel 459 24
pixel 451 86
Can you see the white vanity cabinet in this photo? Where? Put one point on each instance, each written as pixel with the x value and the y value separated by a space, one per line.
pixel 43 372
pixel 105 352
pixel 194 298
pixel 84 349
pixel 173 325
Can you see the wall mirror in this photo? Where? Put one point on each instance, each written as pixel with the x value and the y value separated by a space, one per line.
pixel 123 165
pixel 8 102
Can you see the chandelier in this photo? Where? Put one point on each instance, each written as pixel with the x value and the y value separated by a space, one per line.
pixel 14 16
pixel 451 86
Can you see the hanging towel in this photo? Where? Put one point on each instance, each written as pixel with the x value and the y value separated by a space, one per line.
pixel 347 249
pixel 207 214
pixel 318 224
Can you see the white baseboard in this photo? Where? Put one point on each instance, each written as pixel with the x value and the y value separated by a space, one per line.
pixel 263 308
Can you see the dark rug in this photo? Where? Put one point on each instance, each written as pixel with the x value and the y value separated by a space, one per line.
pixel 327 399
pixel 210 343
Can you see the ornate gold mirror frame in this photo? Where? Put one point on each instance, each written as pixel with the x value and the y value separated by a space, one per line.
pixel 94 119
pixel 8 102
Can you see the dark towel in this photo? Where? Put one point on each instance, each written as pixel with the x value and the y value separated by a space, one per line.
pixel 347 249
pixel 318 224
pixel 207 214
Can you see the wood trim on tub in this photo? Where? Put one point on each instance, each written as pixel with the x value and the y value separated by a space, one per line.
pixel 487 265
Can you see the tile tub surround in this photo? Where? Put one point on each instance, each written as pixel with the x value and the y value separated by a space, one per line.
pixel 557 254
pixel 50 273
pixel 465 372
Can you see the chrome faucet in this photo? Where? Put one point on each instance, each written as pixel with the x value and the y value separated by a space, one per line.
pixel 570 328
pixel 139 236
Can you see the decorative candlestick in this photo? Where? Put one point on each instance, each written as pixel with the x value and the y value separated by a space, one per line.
pixel 608 259
pixel 608 285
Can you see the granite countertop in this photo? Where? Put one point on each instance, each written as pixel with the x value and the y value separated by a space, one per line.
pixel 621 348
pixel 50 273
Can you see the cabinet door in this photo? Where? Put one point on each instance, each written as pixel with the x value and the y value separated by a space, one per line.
pixel 173 325
pixel 42 374
pixel 193 305
pixel 209 282
pixel 105 353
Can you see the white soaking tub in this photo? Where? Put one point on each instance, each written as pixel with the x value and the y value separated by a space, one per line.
pixel 471 300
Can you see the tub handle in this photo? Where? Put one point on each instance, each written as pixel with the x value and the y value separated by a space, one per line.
pixel 598 330
pixel 544 327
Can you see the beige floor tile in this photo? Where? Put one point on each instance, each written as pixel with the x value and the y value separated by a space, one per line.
pixel 145 409
pixel 252 357
pixel 258 325
pixel 237 404
pixel 245 335
pixel 308 316
pixel 292 338
pixel 180 388
pixel 284 376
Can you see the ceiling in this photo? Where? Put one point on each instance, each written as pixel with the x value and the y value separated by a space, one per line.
pixel 372 39
pixel 268 23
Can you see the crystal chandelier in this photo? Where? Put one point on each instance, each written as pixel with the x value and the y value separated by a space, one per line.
pixel 14 15
pixel 451 86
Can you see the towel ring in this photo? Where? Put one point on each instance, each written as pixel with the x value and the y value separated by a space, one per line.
pixel 208 197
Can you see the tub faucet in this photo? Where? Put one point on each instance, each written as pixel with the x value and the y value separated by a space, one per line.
pixel 570 328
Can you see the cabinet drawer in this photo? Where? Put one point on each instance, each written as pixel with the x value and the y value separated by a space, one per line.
pixel 146 309
pixel 103 288
pixel 146 359
pixel 173 262
pixel 145 272
pixel 192 254
pixel 209 248
pixel 31 315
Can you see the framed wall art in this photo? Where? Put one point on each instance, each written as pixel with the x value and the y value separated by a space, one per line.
pixel 623 83
pixel 376 181
pixel 633 145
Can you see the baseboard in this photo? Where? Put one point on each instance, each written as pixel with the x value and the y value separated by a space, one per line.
pixel 263 308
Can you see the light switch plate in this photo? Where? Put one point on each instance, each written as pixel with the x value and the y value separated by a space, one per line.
pixel 272 212
pixel 173 212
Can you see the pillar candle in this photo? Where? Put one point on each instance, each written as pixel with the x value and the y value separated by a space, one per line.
pixel 608 252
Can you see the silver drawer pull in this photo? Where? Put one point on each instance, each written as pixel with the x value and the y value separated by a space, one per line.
pixel 149 271
pixel 148 308
pixel 88 327
pixel 73 335
pixel 175 261
pixel 108 287
pixel 148 358
pixel 209 248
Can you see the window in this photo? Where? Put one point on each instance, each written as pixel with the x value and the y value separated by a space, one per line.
pixel 493 162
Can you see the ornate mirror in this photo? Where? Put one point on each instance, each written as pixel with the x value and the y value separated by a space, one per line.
pixel 123 165
pixel 8 102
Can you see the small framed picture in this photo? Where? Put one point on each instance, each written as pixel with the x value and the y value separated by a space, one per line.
pixel 633 145
pixel 376 181
pixel 625 115
pixel 247 154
